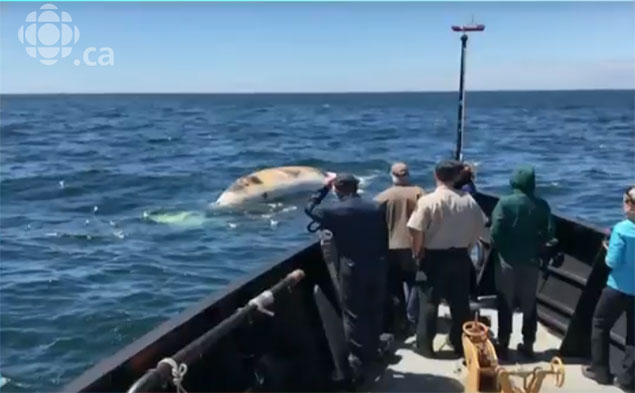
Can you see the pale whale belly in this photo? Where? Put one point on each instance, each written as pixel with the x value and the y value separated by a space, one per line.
pixel 272 184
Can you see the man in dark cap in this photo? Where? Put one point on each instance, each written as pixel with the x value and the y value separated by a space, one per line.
pixel 444 226
pixel 361 240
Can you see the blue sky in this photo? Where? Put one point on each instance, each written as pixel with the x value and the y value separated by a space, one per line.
pixel 335 47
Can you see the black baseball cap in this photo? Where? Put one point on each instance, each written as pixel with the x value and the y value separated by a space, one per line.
pixel 345 179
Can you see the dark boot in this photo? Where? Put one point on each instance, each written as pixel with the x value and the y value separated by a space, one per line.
pixel 425 349
pixel 386 343
pixel 588 372
pixel 526 349
pixel 625 388
pixel 502 351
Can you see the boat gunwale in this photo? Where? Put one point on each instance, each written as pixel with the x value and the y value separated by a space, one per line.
pixel 126 354
pixel 559 215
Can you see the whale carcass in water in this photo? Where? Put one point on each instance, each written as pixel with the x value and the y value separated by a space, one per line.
pixel 271 184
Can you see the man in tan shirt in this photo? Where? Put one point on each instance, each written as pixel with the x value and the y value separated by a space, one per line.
pixel 444 226
pixel 400 201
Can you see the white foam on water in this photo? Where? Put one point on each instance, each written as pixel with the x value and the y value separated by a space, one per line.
pixel 365 180
pixel 289 209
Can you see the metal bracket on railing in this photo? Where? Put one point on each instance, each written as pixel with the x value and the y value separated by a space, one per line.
pixel 262 301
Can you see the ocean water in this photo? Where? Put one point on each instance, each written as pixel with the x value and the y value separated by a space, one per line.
pixel 104 228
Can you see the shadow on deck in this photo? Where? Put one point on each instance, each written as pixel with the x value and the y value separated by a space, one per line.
pixel 394 381
pixel 408 371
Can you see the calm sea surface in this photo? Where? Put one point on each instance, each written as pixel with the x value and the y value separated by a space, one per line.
pixel 104 230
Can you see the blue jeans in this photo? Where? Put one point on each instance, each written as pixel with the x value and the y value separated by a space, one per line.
pixel 412 300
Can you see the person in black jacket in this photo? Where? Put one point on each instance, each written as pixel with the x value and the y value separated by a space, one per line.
pixel 361 239
pixel 465 180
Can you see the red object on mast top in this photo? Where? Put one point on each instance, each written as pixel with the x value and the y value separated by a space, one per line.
pixel 467 28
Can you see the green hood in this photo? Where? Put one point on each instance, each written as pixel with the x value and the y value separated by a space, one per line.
pixel 524 179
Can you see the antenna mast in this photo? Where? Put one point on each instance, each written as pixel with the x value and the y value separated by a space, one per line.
pixel 458 153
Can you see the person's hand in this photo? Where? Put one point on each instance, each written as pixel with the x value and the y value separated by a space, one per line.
pixel 329 179
pixel 418 257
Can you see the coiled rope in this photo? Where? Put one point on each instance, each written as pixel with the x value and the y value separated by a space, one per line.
pixel 178 372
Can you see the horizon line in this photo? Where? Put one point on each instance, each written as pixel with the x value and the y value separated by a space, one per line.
pixel 319 92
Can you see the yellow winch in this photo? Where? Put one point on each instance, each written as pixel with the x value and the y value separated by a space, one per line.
pixel 486 375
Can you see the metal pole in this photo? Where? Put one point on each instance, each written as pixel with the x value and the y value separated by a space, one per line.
pixel 458 154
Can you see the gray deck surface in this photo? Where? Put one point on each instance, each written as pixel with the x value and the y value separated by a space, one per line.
pixel 411 372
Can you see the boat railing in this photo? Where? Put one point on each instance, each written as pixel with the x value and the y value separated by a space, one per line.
pixel 173 369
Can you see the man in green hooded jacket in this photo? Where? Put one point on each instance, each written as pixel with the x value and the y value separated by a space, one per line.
pixel 521 226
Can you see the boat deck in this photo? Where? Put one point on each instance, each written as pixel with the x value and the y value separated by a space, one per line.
pixel 407 371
